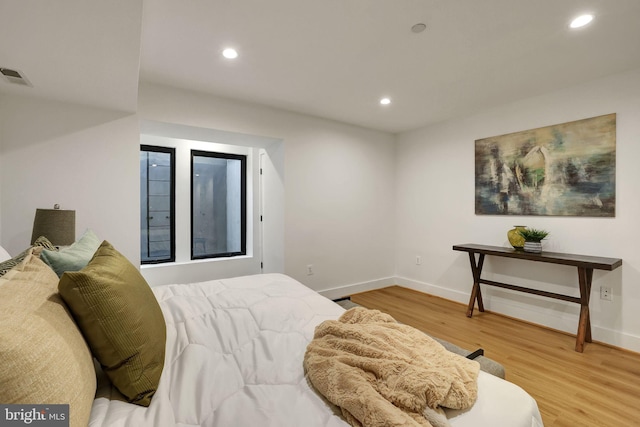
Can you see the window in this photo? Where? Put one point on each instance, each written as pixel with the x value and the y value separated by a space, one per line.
pixel 218 204
pixel 157 204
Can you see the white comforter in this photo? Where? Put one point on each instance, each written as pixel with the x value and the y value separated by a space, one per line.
pixel 234 359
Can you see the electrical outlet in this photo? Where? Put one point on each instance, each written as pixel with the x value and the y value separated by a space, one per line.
pixel 418 260
pixel 605 293
pixel 309 269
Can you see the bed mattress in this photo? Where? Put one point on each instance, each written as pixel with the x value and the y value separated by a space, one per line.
pixel 234 358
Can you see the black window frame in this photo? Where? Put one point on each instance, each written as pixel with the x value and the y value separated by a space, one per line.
pixel 172 202
pixel 243 203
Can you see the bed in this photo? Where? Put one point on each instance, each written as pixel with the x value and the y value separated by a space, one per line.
pixel 220 353
pixel 234 357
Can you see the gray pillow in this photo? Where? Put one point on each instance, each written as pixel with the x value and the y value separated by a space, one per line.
pixel 74 257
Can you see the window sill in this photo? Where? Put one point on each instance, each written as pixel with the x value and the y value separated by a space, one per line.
pixel 195 261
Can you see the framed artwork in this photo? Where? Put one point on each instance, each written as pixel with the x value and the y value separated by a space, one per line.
pixel 567 169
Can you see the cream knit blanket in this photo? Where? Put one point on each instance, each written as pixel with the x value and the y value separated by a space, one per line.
pixel 382 373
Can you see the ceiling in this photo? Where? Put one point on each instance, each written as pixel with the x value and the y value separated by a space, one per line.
pixel 329 58
pixel 86 52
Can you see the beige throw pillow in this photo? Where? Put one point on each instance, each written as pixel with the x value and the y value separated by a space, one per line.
pixel 121 320
pixel 44 358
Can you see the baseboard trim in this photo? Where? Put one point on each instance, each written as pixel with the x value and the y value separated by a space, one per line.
pixel 427 288
pixel 346 290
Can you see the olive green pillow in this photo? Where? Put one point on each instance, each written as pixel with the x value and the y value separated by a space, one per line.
pixel 43 357
pixel 121 320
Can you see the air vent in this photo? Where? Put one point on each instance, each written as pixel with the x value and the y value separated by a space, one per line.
pixel 15 77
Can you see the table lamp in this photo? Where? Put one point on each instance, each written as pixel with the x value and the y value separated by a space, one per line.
pixel 57 225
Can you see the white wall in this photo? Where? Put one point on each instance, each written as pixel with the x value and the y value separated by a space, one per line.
pixel 80 157
pixel 3 100
pixel 272 207
pixel 435 210
pixel 339 186
pixel 356 205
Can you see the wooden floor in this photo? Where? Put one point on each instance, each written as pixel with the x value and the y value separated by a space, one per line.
pixel 600 387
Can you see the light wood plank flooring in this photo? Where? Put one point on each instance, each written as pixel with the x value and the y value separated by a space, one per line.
pixel 600 387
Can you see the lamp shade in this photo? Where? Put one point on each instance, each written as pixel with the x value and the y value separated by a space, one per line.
pixel 57 225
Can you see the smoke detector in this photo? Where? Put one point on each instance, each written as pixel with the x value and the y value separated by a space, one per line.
pixel 15 77
pixel 419 27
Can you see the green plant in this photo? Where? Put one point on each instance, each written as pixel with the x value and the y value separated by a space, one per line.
pixel 533 234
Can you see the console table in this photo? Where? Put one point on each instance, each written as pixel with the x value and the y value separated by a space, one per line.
pixel 585 264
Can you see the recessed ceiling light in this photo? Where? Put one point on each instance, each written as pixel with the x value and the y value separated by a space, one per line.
pixel 230 53
pixel 581 21
pixel 385 101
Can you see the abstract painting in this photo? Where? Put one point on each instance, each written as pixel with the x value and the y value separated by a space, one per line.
pixel 567 169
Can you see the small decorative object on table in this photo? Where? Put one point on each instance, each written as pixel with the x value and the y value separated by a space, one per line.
pixel 533 239
pixel 515 238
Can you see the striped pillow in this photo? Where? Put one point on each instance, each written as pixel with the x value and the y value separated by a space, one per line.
pixel 10 263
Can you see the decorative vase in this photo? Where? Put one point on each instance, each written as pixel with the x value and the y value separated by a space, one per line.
pixel 516 240
pixel 535 247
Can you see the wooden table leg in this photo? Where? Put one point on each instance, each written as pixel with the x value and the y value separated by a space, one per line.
pixel 585 276
pixel 589 278
pixel 476 293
